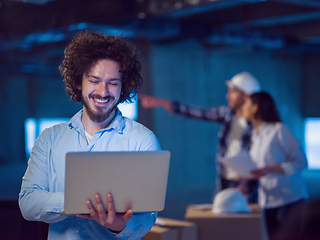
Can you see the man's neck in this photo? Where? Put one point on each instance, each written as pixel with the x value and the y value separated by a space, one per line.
pixel 92 127
pixel 238 112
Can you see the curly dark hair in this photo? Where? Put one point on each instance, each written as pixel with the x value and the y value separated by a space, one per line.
pixel 267 110
pixel 86 49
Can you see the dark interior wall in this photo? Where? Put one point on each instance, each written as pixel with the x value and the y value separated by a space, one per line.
pixel 13 110
pixel 29 96
pixel 311 79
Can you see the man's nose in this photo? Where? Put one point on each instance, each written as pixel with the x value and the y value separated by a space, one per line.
pixel 103 89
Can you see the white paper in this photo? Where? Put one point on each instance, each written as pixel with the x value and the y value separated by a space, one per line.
pixel 241 163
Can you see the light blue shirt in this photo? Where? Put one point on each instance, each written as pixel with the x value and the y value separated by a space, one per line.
pixel 42 192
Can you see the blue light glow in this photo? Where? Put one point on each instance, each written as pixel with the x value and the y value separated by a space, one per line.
pixel 312 142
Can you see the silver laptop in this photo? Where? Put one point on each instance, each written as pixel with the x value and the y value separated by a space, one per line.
pixel 138 179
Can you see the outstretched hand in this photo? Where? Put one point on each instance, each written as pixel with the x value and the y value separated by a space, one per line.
pixel 148 101
pixel 114 221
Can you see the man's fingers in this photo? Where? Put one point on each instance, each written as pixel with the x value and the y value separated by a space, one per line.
pixel 92 211
pixel 127 216
pixel 111 208
pixel 102 215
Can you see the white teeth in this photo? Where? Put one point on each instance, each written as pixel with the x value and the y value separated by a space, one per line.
pixel 100 100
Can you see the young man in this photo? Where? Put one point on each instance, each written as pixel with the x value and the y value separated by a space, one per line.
pixel 100 71
pixel 235 131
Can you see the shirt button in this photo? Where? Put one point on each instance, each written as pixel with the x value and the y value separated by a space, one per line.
pixel 121 235
pixel 77 231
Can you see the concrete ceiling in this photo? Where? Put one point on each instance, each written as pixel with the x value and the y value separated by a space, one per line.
pixel 259 24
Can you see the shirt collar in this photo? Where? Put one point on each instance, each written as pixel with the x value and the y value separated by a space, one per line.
pixel 116 124
pixel 75 121
pixel 261 128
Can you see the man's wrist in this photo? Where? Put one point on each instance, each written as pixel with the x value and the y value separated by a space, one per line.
pixel 117 231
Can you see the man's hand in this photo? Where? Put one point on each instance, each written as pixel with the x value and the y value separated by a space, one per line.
pixel 153 102
pixel 115 222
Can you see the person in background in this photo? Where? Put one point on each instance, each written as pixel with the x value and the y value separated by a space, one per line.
pixel 99 71
pixel 280 161
pixel 235 131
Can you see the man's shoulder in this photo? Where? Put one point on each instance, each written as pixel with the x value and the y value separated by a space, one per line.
pixel 55 129
pixel 52 133
pixel 140 135
pixel 132 125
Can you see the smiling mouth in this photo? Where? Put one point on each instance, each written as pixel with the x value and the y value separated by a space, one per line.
pixel 99 100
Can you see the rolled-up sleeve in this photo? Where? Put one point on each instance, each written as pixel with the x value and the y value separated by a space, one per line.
pixel 208 114
pixel 296 158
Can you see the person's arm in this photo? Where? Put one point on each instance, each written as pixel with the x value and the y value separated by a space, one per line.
pixel 296 158
pixel 153 102
pixel 36 202
pixel 196 112
pixel 295 161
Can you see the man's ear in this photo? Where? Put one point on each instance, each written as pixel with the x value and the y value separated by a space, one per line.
pixel 79 87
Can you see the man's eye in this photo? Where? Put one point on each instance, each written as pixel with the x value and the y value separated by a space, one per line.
pixel 93 81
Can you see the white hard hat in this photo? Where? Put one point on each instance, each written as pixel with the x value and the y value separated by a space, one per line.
pixel 230 200
pixel 245 82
